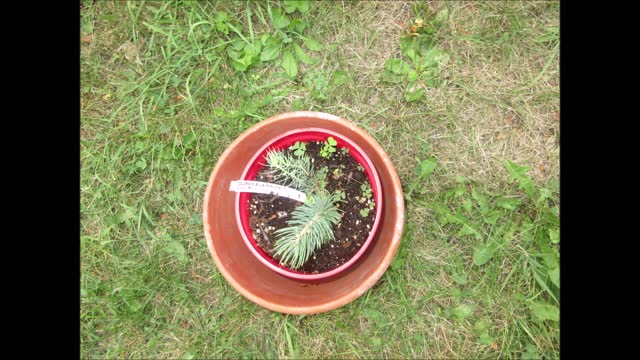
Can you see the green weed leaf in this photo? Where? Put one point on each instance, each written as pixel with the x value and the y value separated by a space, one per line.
pixel 340 78
pixel 289 64
pixel 541 312
pixel 459 278
pixel 238 44
pixel 271 50
pixel 484 252
pixel 554 276
pixel 468 230
pixel 414 47
pixel 242 64
pixel 300 5
pixel 517 172
pixel 508 203
pixel 220 22
pixel 544 195
pixel 176 249
pixel 434 59
pixel 467 204
pixel 462 311
pixel 234 55
pixel 301 55
pixel 413 92
pixel 141 164
pixel 280 20
pixel 481 200
pixel 426 168
pixel 538 276
pixel 253 50
pixel 242 59
pixel 554 236
pixel 485 339
pixel 481 326
pixel 312 44
pixel 297 25
pixel 407 47
pixel 188 140
pixel 397 66
pixel 531 353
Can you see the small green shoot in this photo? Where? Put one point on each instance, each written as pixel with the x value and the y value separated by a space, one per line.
pixel 299 148
pixel 317 83
pixel 328 148
pixel 366 190
pixel 367 196
pixel 423 171
pixel 321 178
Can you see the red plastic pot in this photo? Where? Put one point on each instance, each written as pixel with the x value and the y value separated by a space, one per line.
pixel 263 286
pixel 255 165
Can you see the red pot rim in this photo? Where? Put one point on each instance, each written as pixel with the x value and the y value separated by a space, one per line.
pixel 283 141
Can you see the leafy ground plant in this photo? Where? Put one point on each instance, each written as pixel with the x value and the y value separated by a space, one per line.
pixel 419 45
pixel 284 41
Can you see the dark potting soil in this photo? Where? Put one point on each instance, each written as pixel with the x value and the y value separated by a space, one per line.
pixel 271 212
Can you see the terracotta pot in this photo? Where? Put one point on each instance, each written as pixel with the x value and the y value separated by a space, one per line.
pixel 262 285
pixel 256 163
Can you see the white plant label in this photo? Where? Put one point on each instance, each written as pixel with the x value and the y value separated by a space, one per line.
pixel 260 187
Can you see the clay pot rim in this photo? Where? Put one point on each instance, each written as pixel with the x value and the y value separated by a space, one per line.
pixel 376 185
pixel 364 285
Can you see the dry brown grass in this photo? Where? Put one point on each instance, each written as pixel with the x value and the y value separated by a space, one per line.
pixel 486 114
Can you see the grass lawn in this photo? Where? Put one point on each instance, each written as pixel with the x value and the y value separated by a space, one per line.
pixel 468 112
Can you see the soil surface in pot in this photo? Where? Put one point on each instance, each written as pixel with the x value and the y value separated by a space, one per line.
pixel 269 213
